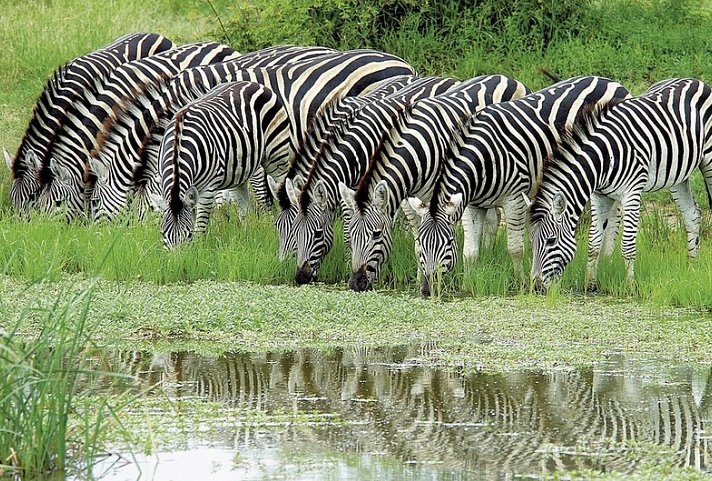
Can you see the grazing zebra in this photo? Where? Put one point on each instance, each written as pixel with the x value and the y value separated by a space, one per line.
pixel 497 156
pixel 614 154
pixel 407 163
pixel 65 87
pixel 118 165
pixel 343 156
pixel 62 175
pixel 308 88
pixel 339 112
pixel 216 143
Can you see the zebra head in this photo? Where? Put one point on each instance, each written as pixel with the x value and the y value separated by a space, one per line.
pixel 26 184
pixel 553 240
pixel 178 218
pixel 104 202
pixel 313 229
pixel 62 191
pixel 288 196
pixel 435 242
pixel 370 235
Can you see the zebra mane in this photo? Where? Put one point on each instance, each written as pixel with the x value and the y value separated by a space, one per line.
pixel 176 204
pixel 49 92
pixel 362 195
pixel 332 136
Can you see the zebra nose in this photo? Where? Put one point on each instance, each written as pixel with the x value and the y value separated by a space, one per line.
pixel 358 281
pixel 304 275
pixel 425 288
pixel 539 286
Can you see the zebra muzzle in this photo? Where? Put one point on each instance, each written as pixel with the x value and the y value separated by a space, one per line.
pixel 358 281
pixel 305 275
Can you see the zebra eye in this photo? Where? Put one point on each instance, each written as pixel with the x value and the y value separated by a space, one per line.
pixel 551 241
pixel 377 234
pixel 319 233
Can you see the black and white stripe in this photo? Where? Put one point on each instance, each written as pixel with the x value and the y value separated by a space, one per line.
pixel 308 88
pixel 497 157
pixel 67 85
pixel 216 143
pixel 408 163
pixel 613 155
pixel 139 130
pixel 343 157
pixel 62 174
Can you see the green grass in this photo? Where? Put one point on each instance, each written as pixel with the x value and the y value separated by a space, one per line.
pixel 45 425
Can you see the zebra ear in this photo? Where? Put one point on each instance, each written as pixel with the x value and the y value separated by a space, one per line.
pixel 8 159
pixel 59 171
pixel 453 205
pixel 320 195
pixel 380 196
pixel 190 198
pixel 348 196
pixel 527 201
pixel 273 185
pixel 99 169
pixel 158 202
pixel 558 204
pixel 32 161
pixel 298 182
pixel 420 207
pixel 292 192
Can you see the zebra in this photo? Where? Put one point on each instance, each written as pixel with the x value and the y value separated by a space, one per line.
pixel 117 165
pixel 215 143
pixel 62 174
pixel 63 89
pixel 338 112
pixel 496 156
pixel 614 154
pixel 407 163
pixel 307 89
pixel 343 156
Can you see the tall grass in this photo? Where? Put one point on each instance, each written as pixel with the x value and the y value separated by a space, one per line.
pixel 45 426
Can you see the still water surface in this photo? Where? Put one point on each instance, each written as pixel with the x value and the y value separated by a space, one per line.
pixel 384 414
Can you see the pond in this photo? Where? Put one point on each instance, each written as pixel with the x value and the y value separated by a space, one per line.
pixel 385 414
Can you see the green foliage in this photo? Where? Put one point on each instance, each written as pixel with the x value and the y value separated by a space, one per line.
pixel 45 426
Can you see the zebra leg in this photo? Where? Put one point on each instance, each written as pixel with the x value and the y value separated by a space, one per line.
pixel 631 218
pixel 610 235
pixel 203 210
pixel 682 195
pixel 515 215
pixel 601 207
pixel 473 220
pixel 491 225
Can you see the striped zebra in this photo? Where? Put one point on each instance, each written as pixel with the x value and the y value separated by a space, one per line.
pixel 64 88
pixel 216 143
pixel 497 156
pixel 407 163
pixel 612 155
pixel 62 174
pixel 343 157
pixel 339 112
pixel 118 165
pixel 308 88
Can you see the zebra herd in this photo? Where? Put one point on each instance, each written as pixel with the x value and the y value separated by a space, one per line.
pixel 143 124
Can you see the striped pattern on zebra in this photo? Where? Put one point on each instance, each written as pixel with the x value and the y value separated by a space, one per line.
pixel 118 165
pixel 323 127
pixel 62 175
pixel 613 155
pixel 216 143
pixel 407 163
pixel 308 88
pixel 343 157
pixel 497 156
pixel 66 86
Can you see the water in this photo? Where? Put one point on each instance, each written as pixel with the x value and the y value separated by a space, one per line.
pixel 382 414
